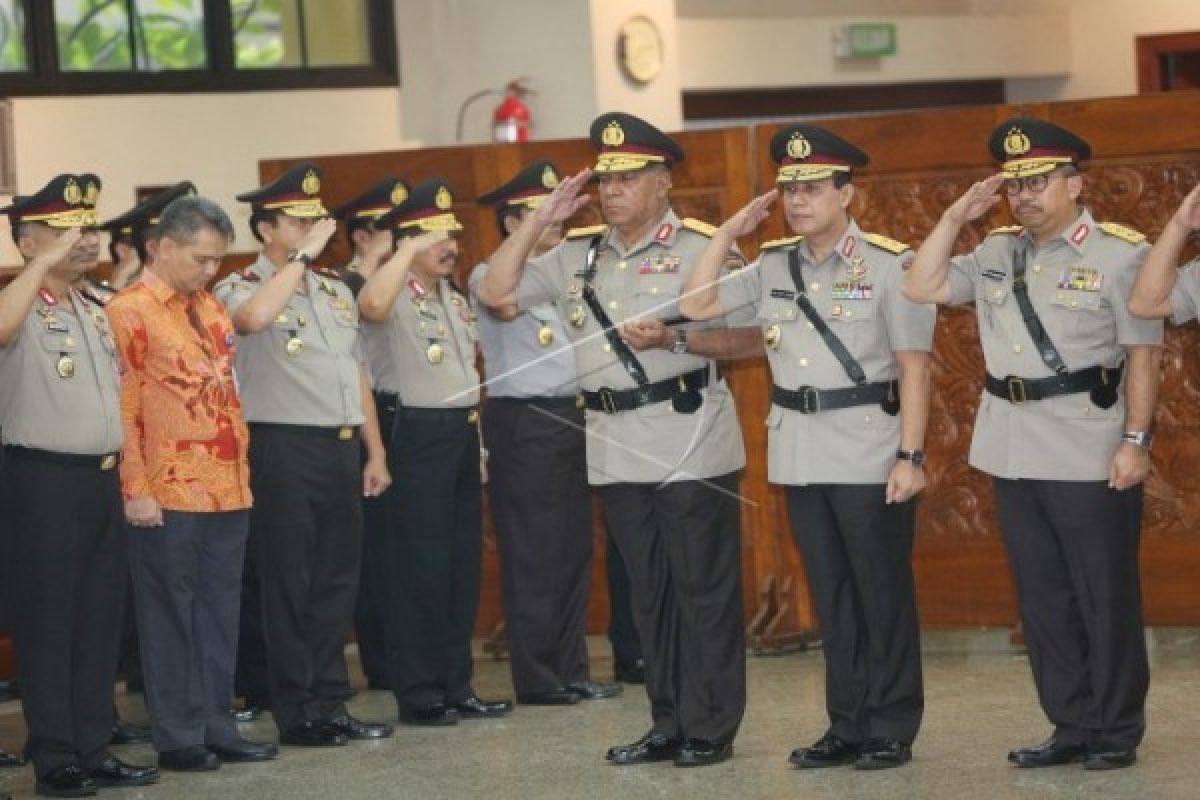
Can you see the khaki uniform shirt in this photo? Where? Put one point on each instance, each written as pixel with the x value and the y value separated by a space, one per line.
pixel 530 356
pixel 425 350
pixel 303 369
pixel 59 383
pixel 856 290
pixel 654 443
pixel 1079 284
pixel 1185 297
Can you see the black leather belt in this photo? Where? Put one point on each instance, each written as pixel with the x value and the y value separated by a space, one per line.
pixel 810 400
pixel 467 414
pixel 1019 390
pixel 104 462
pixel 613 400
pixel 343 433
pixel 561 403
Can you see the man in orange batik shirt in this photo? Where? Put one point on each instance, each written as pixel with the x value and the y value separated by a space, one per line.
pixel 185 479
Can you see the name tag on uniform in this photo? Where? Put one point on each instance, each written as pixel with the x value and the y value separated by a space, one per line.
pixel 994 274
pixel 425 313
pixel 783 294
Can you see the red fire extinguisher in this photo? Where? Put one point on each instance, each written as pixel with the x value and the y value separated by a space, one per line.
pixel 512 119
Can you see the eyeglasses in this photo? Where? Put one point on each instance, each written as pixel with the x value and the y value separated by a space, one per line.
pixel 1034 183
pixel 807 188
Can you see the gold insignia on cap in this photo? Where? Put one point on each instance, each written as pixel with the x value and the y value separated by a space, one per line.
pixel 613 135
pixel 399 194
pixel 1016 143
pixel 91 193
pixel 72 193
pixel 311 183
pixel 798 146
pixel 549 177
pixel 443 200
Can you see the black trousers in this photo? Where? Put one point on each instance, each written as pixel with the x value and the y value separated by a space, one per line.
pixel 252 679
pixel 306 531
pixel 186 591
pixel 1073 548
pixel 857 553
pixel 67 576
pixel 682 545
pixel 432 555
pixel 368 614
pixel 541 507
pixel 622 630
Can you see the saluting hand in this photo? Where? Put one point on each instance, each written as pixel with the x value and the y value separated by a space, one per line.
pixel 317 237
pixel 58 250
pixel 1188 214
pixel 422 242
pixel 751 215
pixel 566 199
pixel 1129 467
pixel 981 198
pixel 904 482
pixel 143 512
pixel 376 478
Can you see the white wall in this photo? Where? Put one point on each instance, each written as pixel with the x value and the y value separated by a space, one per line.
pixel 215 140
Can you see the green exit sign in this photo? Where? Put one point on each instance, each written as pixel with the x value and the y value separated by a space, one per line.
pixel 866 40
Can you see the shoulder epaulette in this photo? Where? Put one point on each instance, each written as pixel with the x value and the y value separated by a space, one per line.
pixel 590 230
pixel 1122 232
pixel 699 226
pixel 775 244
pixel 1010 230
pixel 884 243
pixel 248 274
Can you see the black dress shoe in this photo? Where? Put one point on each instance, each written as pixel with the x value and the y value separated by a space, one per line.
pixel 554 697
pixel 651 747
pixel 313 734
pixel 196 758
pixel 246 713
pixel 114 772
pixel 474 708
pixel 1110 759
pixel 244 751
pixel 589 690
pixel 435 715
pixel 128 733
pixel 9 760
pixel 68 781
pixel 883 754
pixel 353 728
pixel 1049 753
pixel 630 672
pixel 702 753
pixel 828 751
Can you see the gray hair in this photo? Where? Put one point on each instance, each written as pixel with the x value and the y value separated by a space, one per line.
pixel 186 216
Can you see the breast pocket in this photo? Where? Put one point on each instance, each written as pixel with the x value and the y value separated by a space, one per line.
pixel 853 321
pixel 63 352
pixel 1085 315
pixel 657 294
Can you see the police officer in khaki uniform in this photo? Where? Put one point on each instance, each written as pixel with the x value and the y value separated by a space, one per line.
pixel 1063 427
pixel 540 501
pixel 421 340
pixel 371 247
pixel 664 448
pixel 1161 290
pixel 306 397
pixel 64 565
pixel 847 352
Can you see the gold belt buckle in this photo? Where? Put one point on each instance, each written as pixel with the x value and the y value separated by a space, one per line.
pixel 608 400
pixel 1016 389
pixel 345 433
pixel 473 416
pixel 108 462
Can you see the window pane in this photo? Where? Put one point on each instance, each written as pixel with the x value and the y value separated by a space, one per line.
pixel 336 33
pixel 298 33
pixel 14 56
pixel 92 35
pixel 266 33
pixel 170 34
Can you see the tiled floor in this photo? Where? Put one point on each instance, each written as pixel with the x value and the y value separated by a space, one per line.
pixel 979 704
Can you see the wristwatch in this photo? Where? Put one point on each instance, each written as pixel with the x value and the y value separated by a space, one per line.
pixel 1142 439
pixel 917 457
pixel 301 256
pixel 681 343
